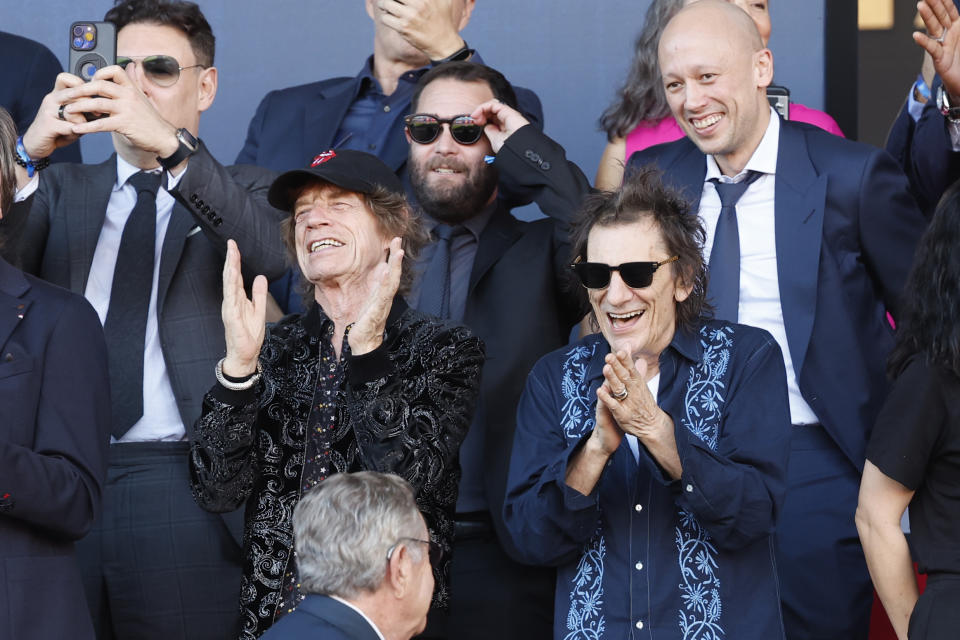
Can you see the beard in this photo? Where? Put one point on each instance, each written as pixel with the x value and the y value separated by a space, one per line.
pixel 453 203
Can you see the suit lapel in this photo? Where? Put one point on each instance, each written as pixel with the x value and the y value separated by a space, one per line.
pixel 687 174
pixel 500 234
pixel 13 285
pixel 800 200
pixel 320 122
pixel 181 222
pixel 89 197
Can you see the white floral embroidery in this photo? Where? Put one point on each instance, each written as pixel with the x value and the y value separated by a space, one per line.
pixel 703 402
pixel 585 620
pixel 577 411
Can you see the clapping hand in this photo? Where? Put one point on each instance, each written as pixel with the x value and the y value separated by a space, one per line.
pixel 243 319
pixel 366 334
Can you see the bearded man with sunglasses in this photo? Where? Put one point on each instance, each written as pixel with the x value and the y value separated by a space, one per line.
pixel 507 281
pixel 143 237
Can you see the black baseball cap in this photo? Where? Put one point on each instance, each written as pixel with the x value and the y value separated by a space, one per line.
pixel 351 170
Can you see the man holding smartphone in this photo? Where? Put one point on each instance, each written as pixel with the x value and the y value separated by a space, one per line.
pixel 143 237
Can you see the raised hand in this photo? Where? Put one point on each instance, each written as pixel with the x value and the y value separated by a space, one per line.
pixel 432 26
pixel 942 40
pixel 128 112
pixel 366 334
pixel 243 319
pixel 48 131
pixel 500 120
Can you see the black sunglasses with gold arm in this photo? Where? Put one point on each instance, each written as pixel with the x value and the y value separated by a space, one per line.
pixel 636 275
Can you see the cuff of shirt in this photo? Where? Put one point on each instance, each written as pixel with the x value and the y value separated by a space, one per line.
pixel 235 398
pixel 369 366
pixel 28 189
pixel 914 106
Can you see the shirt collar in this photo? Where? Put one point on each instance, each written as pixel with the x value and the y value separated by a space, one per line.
pixel 362 614
pixel 764 158
pixel 367 79
pixel 686 343
pixel 125 170
pixel 475 224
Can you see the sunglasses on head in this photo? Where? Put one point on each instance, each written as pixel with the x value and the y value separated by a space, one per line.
pixel 434 550
pixel 163 71
pixel 424 128
pixel 636 275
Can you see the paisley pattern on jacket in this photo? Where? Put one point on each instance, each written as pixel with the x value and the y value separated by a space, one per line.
pixel 408 405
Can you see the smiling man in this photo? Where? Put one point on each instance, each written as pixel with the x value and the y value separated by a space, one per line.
pixel 143 236
pixel 507 281
pixel 810 237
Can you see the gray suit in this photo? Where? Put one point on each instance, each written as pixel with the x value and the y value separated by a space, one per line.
pixel 53 234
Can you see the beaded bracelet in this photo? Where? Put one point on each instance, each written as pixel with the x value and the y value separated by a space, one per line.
pixel 28 163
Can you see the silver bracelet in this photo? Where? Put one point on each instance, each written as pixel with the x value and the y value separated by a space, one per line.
pixel 236 386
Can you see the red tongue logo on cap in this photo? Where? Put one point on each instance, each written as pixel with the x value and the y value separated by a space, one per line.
pixel 323 157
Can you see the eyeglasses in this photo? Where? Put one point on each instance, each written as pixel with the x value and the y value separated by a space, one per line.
pixel 163 71
pixel 434 550
pixel 424 128
pixel 636 275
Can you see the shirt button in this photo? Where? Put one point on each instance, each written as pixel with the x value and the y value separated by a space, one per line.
pixel 371 146
pixel 639 566
pixel 639 624
pixel 639 507
pixel 689 488
pixel 386 108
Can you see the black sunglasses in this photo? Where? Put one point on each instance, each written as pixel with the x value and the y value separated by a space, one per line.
pixel 163 71
pixel 425 128
pixel 636 275
pixel 434 550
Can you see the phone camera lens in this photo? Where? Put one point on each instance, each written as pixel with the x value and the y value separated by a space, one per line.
pixel 87 70
pixel 78 30
pixel 78 43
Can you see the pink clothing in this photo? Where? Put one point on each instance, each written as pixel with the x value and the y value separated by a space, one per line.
pixel 647 134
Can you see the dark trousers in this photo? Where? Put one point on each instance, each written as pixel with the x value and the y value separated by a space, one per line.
pixel 156 565
pixel 825 589
pixel 937 614
pixel 493 597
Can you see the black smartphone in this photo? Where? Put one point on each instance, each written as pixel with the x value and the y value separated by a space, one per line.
pixel 93 46
pixel 779 99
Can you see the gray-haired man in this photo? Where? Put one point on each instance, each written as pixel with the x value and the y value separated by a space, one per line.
pixel 344 530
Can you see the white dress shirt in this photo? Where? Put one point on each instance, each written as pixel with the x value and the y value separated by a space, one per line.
pixel 161 417
pixel 759 281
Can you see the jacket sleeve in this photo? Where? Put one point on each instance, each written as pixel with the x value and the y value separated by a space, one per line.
pixel 223 453
pixel 548 521
pixel 56 483
pixel 737 489
pixel 231 202
pixel 249 154
pixel 410 413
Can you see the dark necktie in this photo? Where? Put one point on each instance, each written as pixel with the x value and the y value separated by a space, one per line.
pixel 435 286
pixel 723 289
pixel 126 325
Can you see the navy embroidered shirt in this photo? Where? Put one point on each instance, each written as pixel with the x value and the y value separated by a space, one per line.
pixel 645 556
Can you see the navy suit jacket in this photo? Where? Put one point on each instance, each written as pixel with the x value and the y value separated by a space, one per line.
pixel 846 228
pixel 321 617
pixel 54 434
pixel 925 152
pixel 27 82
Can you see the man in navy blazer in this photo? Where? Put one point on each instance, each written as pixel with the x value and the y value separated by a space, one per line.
pixel 365 112
pixel 54 431
pixel 820 245
pixel 364 554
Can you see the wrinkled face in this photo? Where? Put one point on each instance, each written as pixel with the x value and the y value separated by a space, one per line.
pixel 716 88
pixel 451 181
pixel 182 103
pixel 640 322
pixel 337 236
pixel 759 10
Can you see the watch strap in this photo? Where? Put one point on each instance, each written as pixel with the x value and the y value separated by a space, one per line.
pixel 188 145
pixel 461 54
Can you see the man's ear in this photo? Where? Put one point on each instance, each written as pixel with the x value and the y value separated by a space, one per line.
pixel 399 571
pixel 763 67
pixel 468 7
pixel 369 5
pixel 207 88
